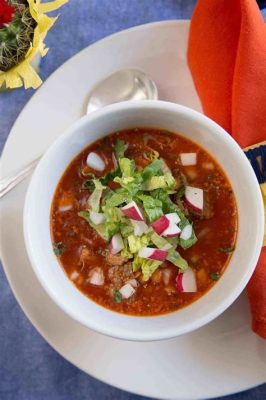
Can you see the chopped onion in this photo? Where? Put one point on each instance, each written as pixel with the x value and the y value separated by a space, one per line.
pixel 127 291
pixel 188 159
pixel 96 276
pixel 95 161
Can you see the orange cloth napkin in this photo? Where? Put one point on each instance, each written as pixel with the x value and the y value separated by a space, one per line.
pixel 227 58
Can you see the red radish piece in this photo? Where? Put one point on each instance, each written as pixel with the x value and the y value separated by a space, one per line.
pixel 172 230
pixel 186 281
pixel 117 243
pixel 186 232
pixel 161 224
pixel 173 218
pixel 96 276
pixel 127 291
pixel 95 161
pixel 188 159
pixel 194 197
pixel 153 254
pixel 139 227
pixel 97 218
pixel 132 211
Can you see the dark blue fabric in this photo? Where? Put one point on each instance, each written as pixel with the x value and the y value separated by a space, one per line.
pixel 29 368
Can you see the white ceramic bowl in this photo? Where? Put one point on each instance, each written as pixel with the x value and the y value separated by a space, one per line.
pixel 174 118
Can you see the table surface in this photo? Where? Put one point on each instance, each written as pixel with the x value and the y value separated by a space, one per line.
pixel 29 368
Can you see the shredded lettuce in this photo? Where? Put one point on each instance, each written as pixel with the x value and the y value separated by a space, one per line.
pixel 113 219
pixel 175 258
pixel 120 149
pixel 152 207
pixel 95 197
pixel 148 267
pixel 166 181
pixel 126 253
pixel 100 229
pixel 118 198
pixel 137 242
pixel 127 167
pixel 159 241
pixel 152 169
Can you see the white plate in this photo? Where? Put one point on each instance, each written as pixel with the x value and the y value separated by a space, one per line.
pixel 223 357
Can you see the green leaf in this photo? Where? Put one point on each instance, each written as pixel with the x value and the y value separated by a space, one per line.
pixel 127 167
pixel 158 240
pixel 229 249
pixel 119 149
pixel 59 248
pixel 148 267
pixel 100 229
pixel 119 197
pixel 95 197
pixel 126 253
pixel 181 192
pixel 126 227
pixel 166 181
pixel 215 276
pixel 137 242
pixel 152 207
pixel 175 258
pixel 113 219
pixel 117 296
pixel 152 169
pixel 185 244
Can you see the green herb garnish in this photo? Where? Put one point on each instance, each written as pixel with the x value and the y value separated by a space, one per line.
pixel 229 249
pixel 117 296
pixel 181 192
pixel 215 276
pixel 59 248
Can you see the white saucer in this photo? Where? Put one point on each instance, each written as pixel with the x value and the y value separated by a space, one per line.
pixel 222 358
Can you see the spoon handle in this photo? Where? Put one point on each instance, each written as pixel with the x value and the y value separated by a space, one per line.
pixel 8 183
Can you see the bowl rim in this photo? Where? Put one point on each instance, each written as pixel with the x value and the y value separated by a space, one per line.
pixel 223 304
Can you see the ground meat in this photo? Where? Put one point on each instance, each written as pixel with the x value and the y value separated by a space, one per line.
pixel 115 259
pixel 119 275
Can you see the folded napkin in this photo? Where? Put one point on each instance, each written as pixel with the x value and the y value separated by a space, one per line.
pixel 227 59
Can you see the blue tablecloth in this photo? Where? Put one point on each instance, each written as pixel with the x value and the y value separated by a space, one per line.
pixel 29 368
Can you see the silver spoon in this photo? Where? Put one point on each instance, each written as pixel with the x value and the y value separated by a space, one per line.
pixel 125 84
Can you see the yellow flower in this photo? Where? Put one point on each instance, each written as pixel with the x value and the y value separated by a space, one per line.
pixel 24 73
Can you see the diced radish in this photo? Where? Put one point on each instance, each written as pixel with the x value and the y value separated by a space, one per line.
pixel 194 197
pixel 132 211
pixel 96 276
pixel 97 218
pixel 186 232
pixel 140 227
pixel 117 243
pixel 95 161
pixel 172 230
pixel 153 254
pixel 166 275
pixel 186 281
pixel 127 291
pixel 161 224
pixel 173 218
pixel 188 159
pixel 133 282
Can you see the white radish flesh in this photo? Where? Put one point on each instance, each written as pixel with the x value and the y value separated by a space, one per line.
pixel 186 281
pixel 186 232
pixel 96 276
pixel 153 254
pixel 194 197
pixel 117 243
pixel 140 227
pixel 94 161
pixel 127 291
pixel 132 211
pixel 172 230
pixel 97 218
pixel 188 159
pixel 173 218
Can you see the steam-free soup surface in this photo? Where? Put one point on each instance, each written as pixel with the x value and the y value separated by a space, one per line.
pixel 124 281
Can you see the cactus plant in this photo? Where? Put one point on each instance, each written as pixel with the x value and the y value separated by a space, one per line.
pixel 16 36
